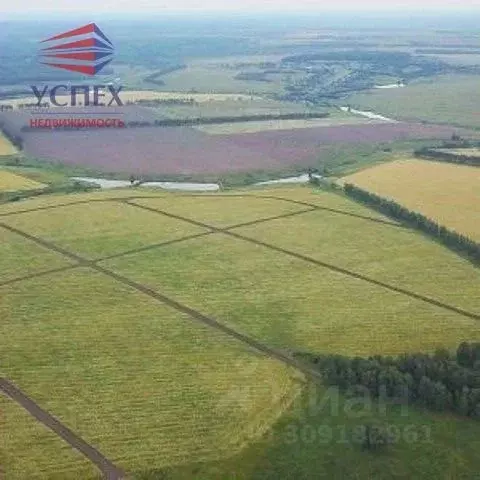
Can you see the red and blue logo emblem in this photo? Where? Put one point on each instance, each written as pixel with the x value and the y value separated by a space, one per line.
pixel 87 50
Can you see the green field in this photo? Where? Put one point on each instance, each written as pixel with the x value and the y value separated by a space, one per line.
pixel 449 99
pixel 146 385
pixel 164 396
pixel 313 440
pixel 215 79
pixel 29 450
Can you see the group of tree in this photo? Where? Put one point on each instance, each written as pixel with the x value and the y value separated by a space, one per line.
pixel 181 122
pixel 451 157
pixel 451 239
pixel 155 102
pixel 441 382
pixel 155 77
pixel 14 139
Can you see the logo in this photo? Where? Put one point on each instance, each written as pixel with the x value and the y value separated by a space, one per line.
pixel 84 50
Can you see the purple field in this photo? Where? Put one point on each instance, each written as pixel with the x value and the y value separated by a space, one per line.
pixel 184 150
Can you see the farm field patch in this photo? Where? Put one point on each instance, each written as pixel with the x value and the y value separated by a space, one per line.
pixel 100 229
pixel 149 387
pixel 222 211
pixel 289 303
pixel 397 256
pixel 30 450
pixel 217 79
pixel 449 99
pixel 19 257
pixel 6 147
pixel 47 201
pixel 314 440
pixel 317 197
pixel 186 151
pixel 446 193
pixel 11 182
pixel 253 127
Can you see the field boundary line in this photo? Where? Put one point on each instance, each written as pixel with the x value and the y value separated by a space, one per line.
pixel 49 245
pixel 313 206
pixel 210 321
pixel 58 205
pixel 84 262
pixel 320 263
pixel 108 469
pixel 39 274
pixel 153 246
pixel 206 195
pixel 340 212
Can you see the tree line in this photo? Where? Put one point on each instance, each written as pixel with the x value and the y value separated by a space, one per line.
pixel 453 240
pixel 443 381
pixel 184 122
pixel 451 157
pixel 14 139
pixel 237 119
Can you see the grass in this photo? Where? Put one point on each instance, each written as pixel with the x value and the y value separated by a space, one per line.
pixel 11 182
pixel 165 397
pixel 317 197
pixel 215 79
pixel 6 147
pixel 381 252
pixel 30 450
pixel 315 440
pixel 19 257
pixel 99 229
pixel 449 99
pixel 146 385
pixel 447 193
pixel 292 304
pixel 225 105
pixel 221 212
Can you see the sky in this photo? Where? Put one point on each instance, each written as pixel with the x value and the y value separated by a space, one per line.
pixel 125 6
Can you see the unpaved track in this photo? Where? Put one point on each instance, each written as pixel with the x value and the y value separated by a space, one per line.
pixel 108 469
pixel 274 353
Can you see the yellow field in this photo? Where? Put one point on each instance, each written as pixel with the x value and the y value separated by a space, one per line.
pixel 446 193
pixel 11 182
pixel 6 147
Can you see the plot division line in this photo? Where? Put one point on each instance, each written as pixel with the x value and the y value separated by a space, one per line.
pixel 108 469
pixel 210 321
pixel 319 263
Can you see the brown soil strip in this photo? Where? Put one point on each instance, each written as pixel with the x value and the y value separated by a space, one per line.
pixel 108 469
